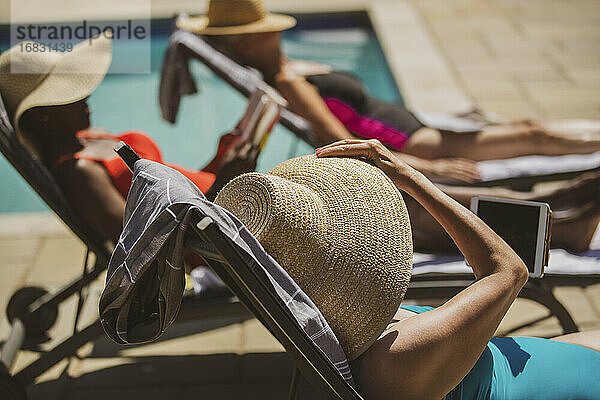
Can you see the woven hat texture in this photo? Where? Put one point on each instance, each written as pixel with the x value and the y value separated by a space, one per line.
pixel 340 228
pixel 235 17
pixel 48 78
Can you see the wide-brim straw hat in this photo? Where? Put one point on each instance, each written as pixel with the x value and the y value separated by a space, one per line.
pixel 236 17
pixel 340 228
pixel 46 77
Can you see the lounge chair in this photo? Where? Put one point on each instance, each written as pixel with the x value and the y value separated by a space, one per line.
pixel 32 311
pixel 441 276
pixel 164 210
pixel 235 255
pixel 520 173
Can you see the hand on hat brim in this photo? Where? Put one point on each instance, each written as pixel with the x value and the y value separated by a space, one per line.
pixel 456 169
pixel 374 151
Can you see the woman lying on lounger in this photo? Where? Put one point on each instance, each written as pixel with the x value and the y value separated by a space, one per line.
pixel 51 116
pixel 339 107
pixel 339 227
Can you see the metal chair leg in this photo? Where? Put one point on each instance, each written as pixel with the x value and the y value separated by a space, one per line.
pixel 294 384
pixel 63 350
pixel 13 344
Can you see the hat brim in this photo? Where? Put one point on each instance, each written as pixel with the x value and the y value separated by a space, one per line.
pixel 341 230
pixel 270 23
pixel 74 77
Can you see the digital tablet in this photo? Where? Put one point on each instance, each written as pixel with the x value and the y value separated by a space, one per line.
pixel 524 225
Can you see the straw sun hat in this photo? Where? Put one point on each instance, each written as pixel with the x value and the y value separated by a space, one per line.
pixel 340 228
pixel 48 78
pixel 236 17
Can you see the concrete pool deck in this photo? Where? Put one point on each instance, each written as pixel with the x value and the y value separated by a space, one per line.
pixel 539 58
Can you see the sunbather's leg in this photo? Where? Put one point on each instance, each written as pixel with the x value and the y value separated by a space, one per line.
pixel 577 191
pixel 573 228
pixel 500 142
pixel 590 339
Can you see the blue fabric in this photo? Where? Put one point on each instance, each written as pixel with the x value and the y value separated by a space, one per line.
pixel 529 368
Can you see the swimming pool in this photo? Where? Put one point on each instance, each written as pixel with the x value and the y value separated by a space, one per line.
pixel 130 102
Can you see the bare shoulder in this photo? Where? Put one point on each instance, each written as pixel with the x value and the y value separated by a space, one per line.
pixel 80 172
pixel 380 374
pixel 409 361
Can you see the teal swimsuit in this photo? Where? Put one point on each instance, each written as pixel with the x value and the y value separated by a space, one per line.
pixel 528 368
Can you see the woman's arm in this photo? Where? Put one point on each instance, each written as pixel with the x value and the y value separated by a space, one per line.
pixel 304 100
pixel 438 348
pixel 456 169
pixel 93 197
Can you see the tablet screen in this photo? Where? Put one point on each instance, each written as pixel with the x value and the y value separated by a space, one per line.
pixel 517 224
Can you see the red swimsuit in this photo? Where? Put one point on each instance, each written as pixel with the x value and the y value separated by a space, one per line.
pixel 146 148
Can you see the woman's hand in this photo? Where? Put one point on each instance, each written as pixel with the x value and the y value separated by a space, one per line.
pixel 397 170
pixel 238 160
pixel 456 169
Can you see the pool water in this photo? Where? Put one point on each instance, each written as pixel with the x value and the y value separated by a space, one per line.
pixel 130 102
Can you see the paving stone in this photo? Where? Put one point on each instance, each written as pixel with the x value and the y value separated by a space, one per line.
pixel 533 41
pixel 23 359
pixel 53 373
pixel 524 311
pixel 585 79
pixel 443 9
pixel 27 225
pixel 510 109
pixel 56 389
pixel 256 366
pixel 145 392
pixel 520 47
pixel 527 70
pixel 555 111
pixel 467 54
pixel 414 74
pixel 13 276
pixel 222 340
pixel 550 97
pixel 257 339
pixel 592 293
pixel 547 329
pixel 162 370
pixel 580 46
pixel 577 303
pixel 18 250
pixel 270 390
pixel 577 62
pixel 58 260
pixel 499 90
pixel 89 365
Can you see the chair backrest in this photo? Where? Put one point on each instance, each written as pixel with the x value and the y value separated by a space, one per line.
pixel 162 207
pixel 240 78
pixel 250 284
pixel 41 180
